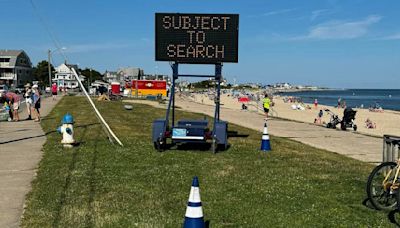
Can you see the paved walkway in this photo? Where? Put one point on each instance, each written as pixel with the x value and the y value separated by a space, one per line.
pixel 20 152
pixel 357 146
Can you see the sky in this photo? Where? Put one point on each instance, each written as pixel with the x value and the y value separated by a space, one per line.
pixel 332 43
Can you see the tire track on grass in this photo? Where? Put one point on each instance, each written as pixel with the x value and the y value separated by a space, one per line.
pixel 57 218
pixel 92 187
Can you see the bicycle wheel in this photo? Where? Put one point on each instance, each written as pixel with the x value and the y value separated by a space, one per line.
pixel 378 186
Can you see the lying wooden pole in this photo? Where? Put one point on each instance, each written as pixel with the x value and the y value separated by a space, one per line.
pixel 102 121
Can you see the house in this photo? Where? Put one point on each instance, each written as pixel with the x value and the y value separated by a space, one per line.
pixel 15 68
pixel 112 76
pixel 130 73
pixel 65 78
pixel 155 77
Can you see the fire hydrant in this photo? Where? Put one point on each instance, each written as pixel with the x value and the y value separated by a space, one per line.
pixel 67 130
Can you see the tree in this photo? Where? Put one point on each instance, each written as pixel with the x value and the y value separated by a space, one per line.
pixel 203 84
pixel 41 73
pixel 91 75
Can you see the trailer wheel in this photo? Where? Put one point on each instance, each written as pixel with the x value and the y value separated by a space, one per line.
pixel 160 145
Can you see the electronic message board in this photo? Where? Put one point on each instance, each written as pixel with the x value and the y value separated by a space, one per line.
pixel 197 38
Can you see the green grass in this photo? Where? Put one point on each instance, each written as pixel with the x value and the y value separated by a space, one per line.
pixel 102 185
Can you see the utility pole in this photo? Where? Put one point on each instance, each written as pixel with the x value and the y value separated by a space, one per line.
pixel 48 64
pixel 89 79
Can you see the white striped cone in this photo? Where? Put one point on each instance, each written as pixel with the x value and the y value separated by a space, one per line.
pixel 265 144
pixel 194 211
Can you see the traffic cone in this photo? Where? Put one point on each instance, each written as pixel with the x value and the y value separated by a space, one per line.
pixel 265 144
pixel 194 211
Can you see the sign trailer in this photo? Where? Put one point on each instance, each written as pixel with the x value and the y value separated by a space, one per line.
pixel 184 38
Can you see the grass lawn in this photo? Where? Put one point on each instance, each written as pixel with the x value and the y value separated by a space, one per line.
pixel 100 184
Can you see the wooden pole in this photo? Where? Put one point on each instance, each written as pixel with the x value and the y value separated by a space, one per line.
pixel 95 109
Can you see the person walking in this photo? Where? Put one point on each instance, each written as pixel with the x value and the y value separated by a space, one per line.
pixel 28 100
pixel 315 103
pixel 266 105
pixel 36 102
pixel 54 91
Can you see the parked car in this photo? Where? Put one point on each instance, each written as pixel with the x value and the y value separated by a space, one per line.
pixel 19 90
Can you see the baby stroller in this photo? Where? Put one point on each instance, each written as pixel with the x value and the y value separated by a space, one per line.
pixel 334 119
pixel 348 119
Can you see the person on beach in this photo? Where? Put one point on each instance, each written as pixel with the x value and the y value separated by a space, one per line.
pixel 319 117
pixel 266 105
pixel 315 103
pixel 36 102
pixel 339 102
pixel 54 90
pixel 14 102
pixel 28 100
pixel 369 124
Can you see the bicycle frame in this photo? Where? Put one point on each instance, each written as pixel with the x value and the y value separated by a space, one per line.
pixel 394 185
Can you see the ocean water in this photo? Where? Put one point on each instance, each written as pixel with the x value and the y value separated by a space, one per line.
pixel 386 98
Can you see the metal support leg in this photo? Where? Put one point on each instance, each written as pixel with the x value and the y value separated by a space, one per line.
pixel 175 76
pixel 171 103
pixel 218 75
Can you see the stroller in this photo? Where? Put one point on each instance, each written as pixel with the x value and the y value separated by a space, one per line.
pixel 334 119
pixel 348 119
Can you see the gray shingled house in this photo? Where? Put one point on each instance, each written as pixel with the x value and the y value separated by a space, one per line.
pixel 15 68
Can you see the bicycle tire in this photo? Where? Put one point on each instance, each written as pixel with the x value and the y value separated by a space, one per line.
pixel 380 199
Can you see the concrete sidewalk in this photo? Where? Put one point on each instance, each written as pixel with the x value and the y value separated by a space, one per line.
pixel 20 152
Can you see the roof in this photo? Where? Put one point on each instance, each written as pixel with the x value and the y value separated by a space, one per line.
pixel 130 71
pixel 14 56
pixel 75 66
pixel 11 53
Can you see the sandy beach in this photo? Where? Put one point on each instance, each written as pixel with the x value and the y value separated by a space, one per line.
pixel 387 122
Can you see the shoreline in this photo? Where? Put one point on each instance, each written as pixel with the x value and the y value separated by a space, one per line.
pixel 354 101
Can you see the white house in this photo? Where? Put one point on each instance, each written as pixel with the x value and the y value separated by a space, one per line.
pixel 65 78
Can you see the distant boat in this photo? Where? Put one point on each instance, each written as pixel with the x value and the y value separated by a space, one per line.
pixel 354 94
pixel 390 95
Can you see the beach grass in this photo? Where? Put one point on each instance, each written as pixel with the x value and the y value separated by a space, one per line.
pixel 99 184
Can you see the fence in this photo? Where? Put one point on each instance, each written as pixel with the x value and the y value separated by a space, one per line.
pixel 390 148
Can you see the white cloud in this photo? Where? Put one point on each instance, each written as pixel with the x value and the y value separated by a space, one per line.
pixel 395 36
pixel 283 11
pixel 341 29
pixel 317 13
pixel 273 13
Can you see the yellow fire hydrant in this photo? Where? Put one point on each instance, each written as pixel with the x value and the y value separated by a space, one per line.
pixel 67 130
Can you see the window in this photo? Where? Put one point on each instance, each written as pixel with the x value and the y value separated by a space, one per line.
pixel 4 60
